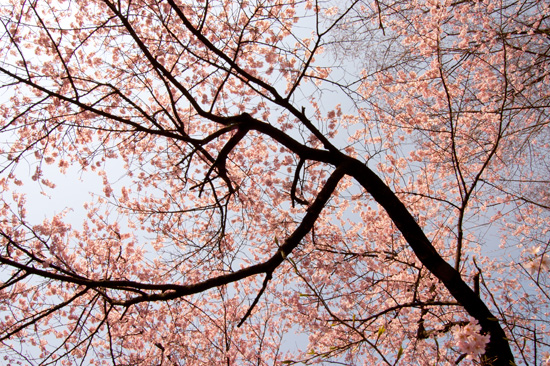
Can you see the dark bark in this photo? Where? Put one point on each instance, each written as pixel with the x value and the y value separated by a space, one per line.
pixel 497 352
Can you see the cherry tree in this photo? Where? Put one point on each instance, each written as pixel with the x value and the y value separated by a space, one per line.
pixel 371 175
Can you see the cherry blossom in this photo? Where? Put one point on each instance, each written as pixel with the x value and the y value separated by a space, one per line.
pixel 470 341
pixel 278 182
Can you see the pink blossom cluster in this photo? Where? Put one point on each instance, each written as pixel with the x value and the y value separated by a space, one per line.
pixel 470 341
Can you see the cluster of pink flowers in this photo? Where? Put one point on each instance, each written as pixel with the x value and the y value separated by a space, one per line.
pixel 539 261
pixel 470 341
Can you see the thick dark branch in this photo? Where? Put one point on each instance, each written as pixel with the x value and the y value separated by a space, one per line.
pixel 220 162
pixel 498 350
pixel 78 280
pixel 293 196
pixel 305 152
